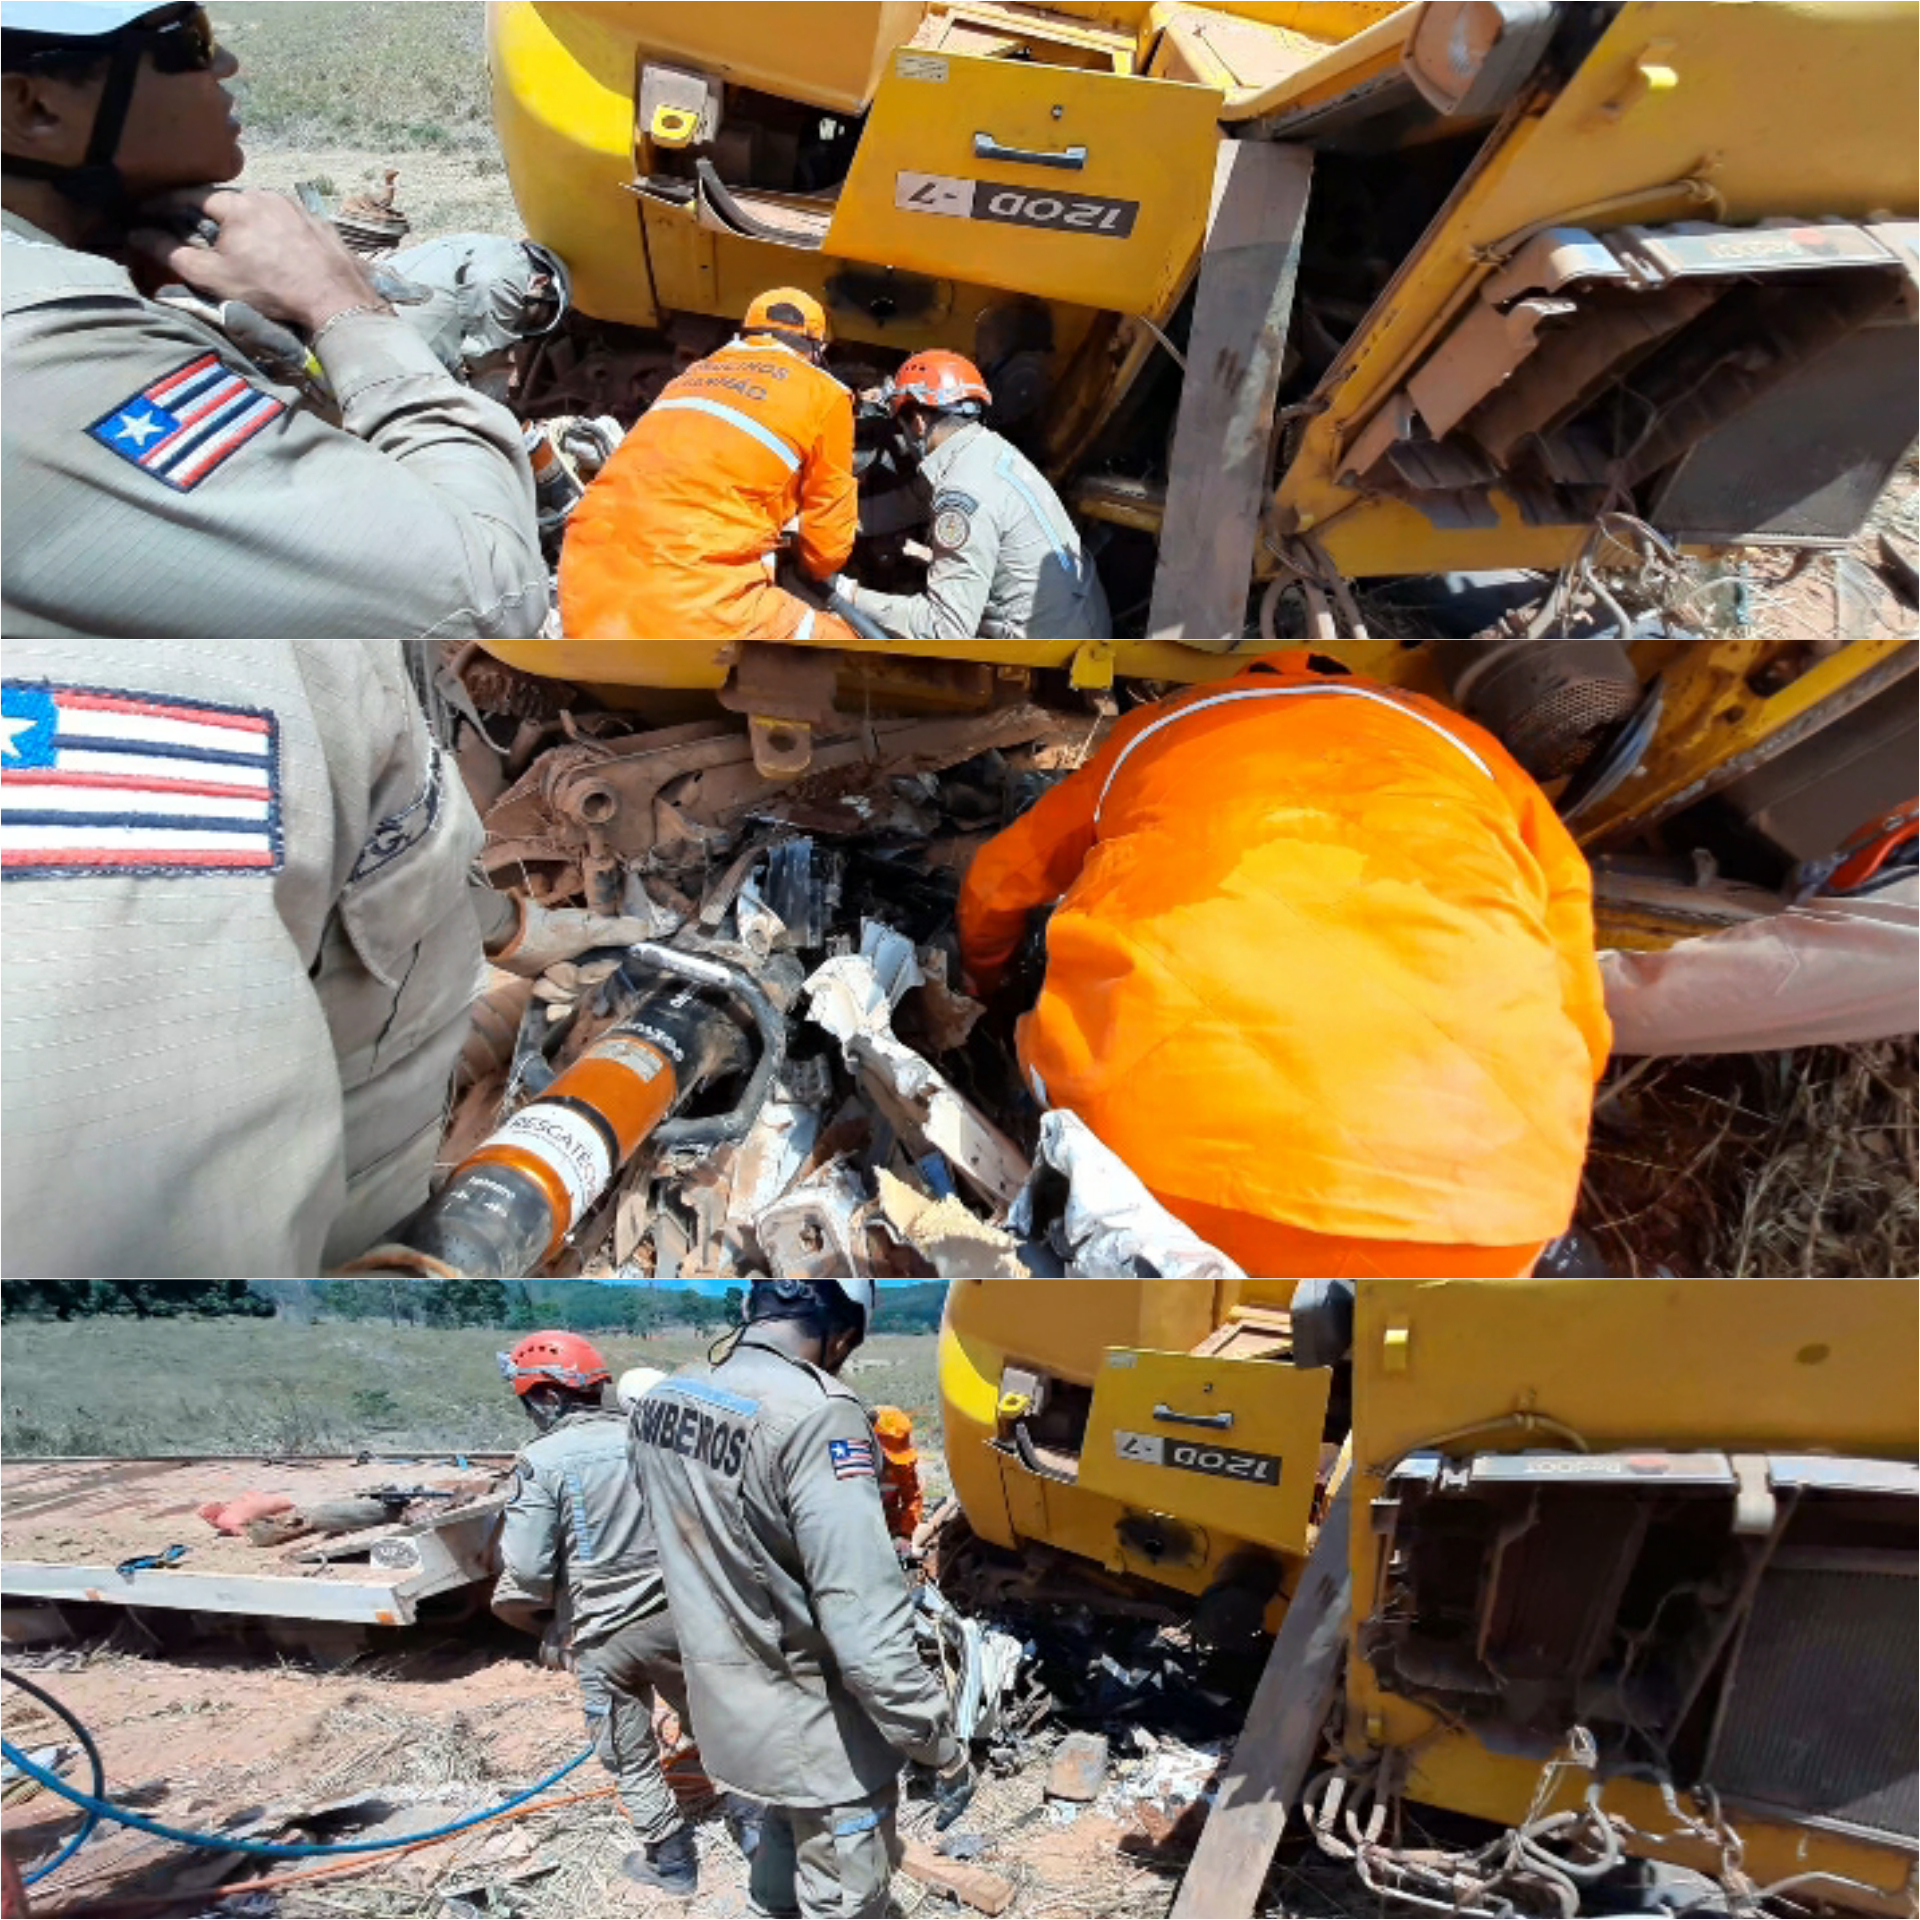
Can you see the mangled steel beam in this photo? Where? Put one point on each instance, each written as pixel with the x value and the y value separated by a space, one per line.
pixel 845 996
pixel 683 790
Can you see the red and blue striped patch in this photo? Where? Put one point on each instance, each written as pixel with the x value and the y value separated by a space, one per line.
pixel 851 1459
pixel 188 423
pixel 101 780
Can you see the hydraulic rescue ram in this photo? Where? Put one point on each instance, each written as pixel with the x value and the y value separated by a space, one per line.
pixel 511 1203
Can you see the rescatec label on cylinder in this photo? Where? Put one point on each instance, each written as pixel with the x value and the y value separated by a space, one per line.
pixel 565 1141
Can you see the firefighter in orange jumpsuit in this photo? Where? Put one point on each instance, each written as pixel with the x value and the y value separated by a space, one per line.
pixel 678 534
pixel 1322 973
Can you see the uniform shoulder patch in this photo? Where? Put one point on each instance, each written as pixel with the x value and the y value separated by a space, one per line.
pixel 851 1459
pixel 953 513
pixel 105 780
pixel 188 423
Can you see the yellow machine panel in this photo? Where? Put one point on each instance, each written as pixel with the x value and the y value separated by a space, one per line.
pixel 1054 181
pixel 1821 1374
pixel 1226 1443
pixel 1682 112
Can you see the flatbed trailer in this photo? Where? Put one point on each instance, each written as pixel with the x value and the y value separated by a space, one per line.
pixel 71 1529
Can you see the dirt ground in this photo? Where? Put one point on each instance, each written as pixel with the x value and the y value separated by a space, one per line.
pixel 206 1740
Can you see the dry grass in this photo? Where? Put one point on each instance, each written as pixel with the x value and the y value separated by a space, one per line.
pixel 141 1389
pixel 353 72
pixel 1775 1164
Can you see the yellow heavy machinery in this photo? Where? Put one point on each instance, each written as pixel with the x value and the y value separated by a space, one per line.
pixel 1662 1534
pixel 1314 290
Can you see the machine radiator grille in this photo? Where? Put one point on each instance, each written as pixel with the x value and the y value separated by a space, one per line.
pixel 1823 1718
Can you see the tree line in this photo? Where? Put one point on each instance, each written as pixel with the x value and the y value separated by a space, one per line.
pixel 138 1299
pixel 517 1306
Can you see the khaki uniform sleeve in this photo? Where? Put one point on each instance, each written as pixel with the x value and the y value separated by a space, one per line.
pixel 529 1552
pixel 829 494
pixel 959 584
pixel 415 517
pixel 854 1583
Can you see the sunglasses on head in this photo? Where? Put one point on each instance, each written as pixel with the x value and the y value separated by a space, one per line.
pixel 181 42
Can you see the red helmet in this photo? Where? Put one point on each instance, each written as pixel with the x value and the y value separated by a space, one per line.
pixel 552 1359
pixel 939 379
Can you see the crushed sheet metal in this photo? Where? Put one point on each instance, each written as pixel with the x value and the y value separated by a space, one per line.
pixel 845 997
pixel 1112 1226
pixel 817 1231
pixel 894 962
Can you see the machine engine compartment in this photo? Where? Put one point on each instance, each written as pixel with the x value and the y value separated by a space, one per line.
pixel 1739 1621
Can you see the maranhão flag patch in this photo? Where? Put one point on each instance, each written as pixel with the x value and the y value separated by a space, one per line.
pixel 188 422
pixel 101 780
pixel 851 1459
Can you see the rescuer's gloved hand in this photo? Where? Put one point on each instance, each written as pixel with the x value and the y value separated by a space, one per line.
pixel 953 1794
pixel 544 936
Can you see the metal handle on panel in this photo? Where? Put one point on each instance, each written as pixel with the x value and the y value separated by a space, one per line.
pixel 986 147
pixel 1220 1422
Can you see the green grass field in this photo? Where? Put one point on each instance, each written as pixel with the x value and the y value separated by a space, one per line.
pixel 143 1388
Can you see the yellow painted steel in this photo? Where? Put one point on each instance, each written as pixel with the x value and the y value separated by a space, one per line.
pixel 1752 1365
pixel 563 104
pixel 1147 142
pixel 1062 1328
pixel 704 663
pixel 1273 1410
pixel 1714 724
pixel 1610 149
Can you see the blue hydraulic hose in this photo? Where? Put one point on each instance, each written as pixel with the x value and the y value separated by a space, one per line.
pixel 94 1761
pixel 103 1809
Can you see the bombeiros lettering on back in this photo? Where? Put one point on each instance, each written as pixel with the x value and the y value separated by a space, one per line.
pixel 692 1433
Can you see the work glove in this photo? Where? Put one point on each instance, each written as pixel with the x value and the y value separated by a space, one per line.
pixel 547 935
pixel 953 1794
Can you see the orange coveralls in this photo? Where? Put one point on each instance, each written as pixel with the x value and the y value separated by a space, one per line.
pixel 1322 973
pixel 676 535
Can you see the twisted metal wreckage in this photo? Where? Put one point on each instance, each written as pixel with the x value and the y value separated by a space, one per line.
pixel 798 879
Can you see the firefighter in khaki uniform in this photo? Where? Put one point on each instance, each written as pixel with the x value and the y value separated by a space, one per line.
pixel 792 1611
pixel 679 532
pixel 577 1556
pixel 158 480
pixel 1322 973
pixel 1007 561
pixel 241 942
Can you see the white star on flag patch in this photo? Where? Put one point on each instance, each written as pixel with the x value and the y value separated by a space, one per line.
pixel 99 780
pixel 851 1459
pixel 187 423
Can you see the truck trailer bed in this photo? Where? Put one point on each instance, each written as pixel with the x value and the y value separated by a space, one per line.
pixel 71 1528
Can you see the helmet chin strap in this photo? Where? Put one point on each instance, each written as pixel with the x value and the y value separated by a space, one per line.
pixel 95 183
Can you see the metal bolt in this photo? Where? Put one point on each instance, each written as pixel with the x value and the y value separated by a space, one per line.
pixel 1059 113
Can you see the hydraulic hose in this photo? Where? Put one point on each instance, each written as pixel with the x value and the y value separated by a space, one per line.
pixel 94 1761
pixel 863 624
pixel 99 1807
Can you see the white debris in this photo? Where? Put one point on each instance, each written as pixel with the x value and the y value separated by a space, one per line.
pixel 1171 1776
pixel 1112 1225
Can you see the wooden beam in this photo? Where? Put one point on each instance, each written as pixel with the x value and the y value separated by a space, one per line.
pixel 1276 1746
pixel 1217 482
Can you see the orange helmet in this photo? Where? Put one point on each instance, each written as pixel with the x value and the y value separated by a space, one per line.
pixel 553 1359
pixel 939 379
pixel 787 310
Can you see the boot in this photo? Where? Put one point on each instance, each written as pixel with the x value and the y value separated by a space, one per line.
pixel 672 1864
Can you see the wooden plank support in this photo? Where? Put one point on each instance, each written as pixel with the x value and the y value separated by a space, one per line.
pixel 1217 484
pixel 1276 1746
pixel 986 1892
